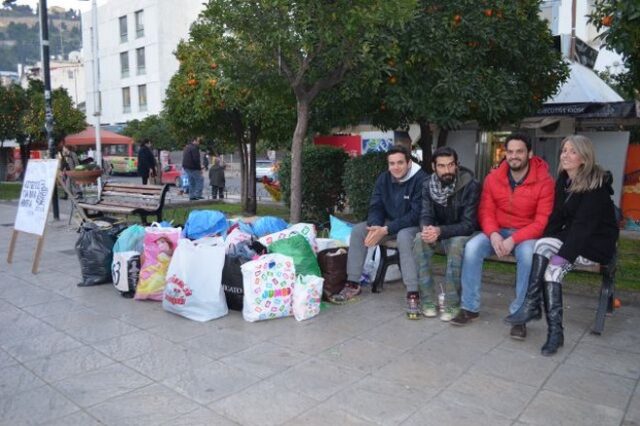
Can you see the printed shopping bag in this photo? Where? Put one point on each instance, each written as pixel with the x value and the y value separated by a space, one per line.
pixel 299 249
pixel 307 293
pixel 159 245
pixel 125 272
pixel 268 284
pixel 194 281
pixel 307 230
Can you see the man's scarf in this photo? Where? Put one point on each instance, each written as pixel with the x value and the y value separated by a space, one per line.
pixel 439 192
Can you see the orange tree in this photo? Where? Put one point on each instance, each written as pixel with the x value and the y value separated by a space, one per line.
pixel 309 46
pixel 619 23
pixel 489 61
pixel 13 104
pixel 222 92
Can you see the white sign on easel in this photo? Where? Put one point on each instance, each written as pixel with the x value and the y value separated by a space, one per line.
pixel 35 201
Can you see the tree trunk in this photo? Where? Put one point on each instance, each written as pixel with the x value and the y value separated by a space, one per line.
pixel 442 137
pixel 244 172
pixel 25 153
pixel 425 143
pixel 251 205
pixel 299 134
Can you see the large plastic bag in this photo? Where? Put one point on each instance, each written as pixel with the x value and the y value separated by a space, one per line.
pixel 235 237
pixel 131 239
pixel 159 245
pixel 268 225
pixel 307 230
pixel 307 294
pixel 300 251
pixel 268 284
pixel 232 281
pixel 193 285
pixel 94 248
pixel 205 222
pixel 340 230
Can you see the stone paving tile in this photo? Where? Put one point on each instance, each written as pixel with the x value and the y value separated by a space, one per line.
pixel 209 382
pixel 24 295
pixel 200 417
pixel 282 405
pixel 324 414
pixel 132 345
pixel 633 414
pixel 102 330
pixel 508 364
pixel 79 418
pixel 400 333
pixel 21 325
pixel 447 410
pixel 101 384
pixel 316 378
pixel 67 364
pixel 41 346
pixel 8 308
pixel 15 379
pixel 168 362
pixel 6 359
pixel 310 338
pixel 550 408
pixel 616 337
pixel 151 405
pixel 482 391
pixel 178 329
pixel 592 386
pixel 58 307
pixel 264 359
pixel 360 354
pixel 380 401
pixel 608 360
pixel 415 370
pixel 36 406
pixel 216 343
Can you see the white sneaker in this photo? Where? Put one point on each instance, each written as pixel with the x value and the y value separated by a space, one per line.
pixel 448 314
pixel 429 310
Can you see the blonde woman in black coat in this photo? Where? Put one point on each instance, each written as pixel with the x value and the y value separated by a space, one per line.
pixel 582 228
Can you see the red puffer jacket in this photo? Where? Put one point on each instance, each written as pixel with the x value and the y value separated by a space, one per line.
pixel 526 208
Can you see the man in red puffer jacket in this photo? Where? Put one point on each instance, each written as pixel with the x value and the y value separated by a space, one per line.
pixel 515 205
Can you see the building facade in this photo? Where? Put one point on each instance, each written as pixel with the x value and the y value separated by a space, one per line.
pixel 136 41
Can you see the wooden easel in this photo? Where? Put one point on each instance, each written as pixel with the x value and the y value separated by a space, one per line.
pixel 36 173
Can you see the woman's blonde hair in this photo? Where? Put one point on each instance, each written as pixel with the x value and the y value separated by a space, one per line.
pixel 590 175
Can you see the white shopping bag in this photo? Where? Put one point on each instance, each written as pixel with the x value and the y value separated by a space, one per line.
pixel 307 230
pixel 307 293
pixel 268 283
pixel 194 281
pixel 125 271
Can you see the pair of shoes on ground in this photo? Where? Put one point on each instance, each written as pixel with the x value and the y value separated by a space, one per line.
pixel 348 293
pixel 430 310
pixel 464 317
pixel 196 198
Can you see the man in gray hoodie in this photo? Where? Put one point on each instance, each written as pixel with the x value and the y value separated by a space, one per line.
pixel 393 213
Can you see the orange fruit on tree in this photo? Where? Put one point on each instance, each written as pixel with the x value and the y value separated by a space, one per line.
pixel 607 20
pixel 488 13
pixel 457 19
pixel 617 303
pixel 393 79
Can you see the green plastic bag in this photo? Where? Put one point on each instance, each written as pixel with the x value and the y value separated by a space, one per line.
pixel 300 250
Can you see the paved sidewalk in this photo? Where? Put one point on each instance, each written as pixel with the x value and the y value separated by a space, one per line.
pixel 86 356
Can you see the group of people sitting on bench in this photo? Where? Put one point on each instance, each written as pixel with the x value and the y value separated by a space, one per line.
pixel 518 211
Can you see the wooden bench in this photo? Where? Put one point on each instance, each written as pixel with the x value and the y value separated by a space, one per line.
pixel 123 199
pixel 607 287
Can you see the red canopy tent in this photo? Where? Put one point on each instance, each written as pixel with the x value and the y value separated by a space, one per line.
pixel 88 137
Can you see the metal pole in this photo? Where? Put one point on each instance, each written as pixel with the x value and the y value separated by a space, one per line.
pixel 96 87
pixel 48 110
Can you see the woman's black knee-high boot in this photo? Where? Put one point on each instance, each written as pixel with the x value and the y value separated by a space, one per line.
pixel 553 311
pixel 530 309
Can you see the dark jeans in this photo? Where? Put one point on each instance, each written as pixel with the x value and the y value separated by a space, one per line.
pixel 217 191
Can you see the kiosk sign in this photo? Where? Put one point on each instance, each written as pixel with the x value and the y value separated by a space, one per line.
pixel 35 197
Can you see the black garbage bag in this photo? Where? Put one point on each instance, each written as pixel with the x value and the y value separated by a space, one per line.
pixel 232 281
pixel 95 252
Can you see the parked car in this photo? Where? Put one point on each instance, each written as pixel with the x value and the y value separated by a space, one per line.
pixel 264 168
pixel 171 175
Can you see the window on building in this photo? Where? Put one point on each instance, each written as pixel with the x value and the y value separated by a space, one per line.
pixel 142 97
pixel 124 64
pixel 123 29
pixel 140 62
pixel 139 23
pixel 126 99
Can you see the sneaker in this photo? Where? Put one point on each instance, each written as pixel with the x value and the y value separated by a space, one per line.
pixel 413 306
pixel 464 317
pixel 348 293
pixel 449 313
pixel 429 310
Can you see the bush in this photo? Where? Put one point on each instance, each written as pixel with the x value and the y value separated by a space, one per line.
pixel 359 178
pixel 322 190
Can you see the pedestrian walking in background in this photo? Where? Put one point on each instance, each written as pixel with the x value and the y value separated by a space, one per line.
pixel 146 161
pixel 192 166
pixel 216 179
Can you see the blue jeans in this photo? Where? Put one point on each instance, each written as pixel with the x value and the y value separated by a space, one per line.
pixel 476 250
pixel 196 182
pixel 423 252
